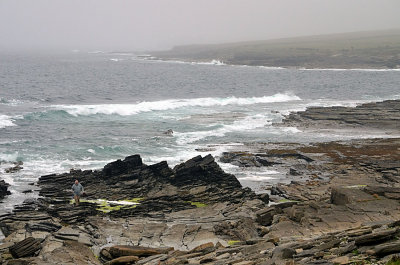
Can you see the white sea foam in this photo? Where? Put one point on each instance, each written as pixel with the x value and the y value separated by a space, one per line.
pixel 91 151
pixel 9 157
pixel 291 130
pixel 121 53
pixel 132 109
pixel 174 158
pixel 116 59
pixel 260 178
pixel 182 153
pixel 6 121
pixel 212 62
pixel 272 67
pixel 155 59
pixel 95 52
pixel 246 124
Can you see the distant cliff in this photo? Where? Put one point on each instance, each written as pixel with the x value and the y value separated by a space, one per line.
pixel 372 49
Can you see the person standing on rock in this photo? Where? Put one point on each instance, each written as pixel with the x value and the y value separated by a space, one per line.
pixel 77 188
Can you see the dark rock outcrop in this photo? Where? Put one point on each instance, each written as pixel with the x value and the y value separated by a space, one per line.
pixel 17 167
pixel 160 188
pixel 119 167
pixel 4 189
pixel 244 159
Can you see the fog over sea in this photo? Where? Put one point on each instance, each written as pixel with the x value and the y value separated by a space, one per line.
pixel 83 110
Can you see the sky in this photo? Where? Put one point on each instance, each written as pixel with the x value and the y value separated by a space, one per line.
pixel 161 24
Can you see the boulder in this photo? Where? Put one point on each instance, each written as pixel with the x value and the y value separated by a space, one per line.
pixel 375 237
pixel 105 253
pixel 4 189
pixel 25 248
pixel 242 229
pixel 296 213
pixel 265 216
pixel 341 260
pixel 387 248
pixel 123 260
pixel 347 195
pixel 121 250
pixel 204 248
pixel 284 252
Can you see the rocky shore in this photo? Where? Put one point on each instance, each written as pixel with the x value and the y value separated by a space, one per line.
pixel 383 116
pixel 339 205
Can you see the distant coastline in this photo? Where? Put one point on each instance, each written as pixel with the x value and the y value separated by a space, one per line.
pixel 357 50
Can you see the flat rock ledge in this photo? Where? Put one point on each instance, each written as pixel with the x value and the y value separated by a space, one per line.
pixel 384 116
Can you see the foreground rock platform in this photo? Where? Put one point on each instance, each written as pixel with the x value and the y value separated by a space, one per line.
pixel 341 207
pixel 130 203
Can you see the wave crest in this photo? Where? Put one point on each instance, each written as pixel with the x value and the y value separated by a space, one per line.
pixel 6 121
pixel 132 109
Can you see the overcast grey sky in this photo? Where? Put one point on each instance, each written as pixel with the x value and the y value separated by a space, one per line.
pixel 161 24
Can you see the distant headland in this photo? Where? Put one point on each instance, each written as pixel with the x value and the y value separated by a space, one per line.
pixel 364 50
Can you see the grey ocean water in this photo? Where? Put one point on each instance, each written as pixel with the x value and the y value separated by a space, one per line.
pixel 83 110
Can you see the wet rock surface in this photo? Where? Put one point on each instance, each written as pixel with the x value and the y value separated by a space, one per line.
pixel 383 115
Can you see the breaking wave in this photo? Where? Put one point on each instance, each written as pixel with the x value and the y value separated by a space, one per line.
pixel 132 109
pixel 6 121
pixel 212 62
pixel 243 125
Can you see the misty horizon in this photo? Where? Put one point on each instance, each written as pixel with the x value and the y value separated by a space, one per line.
pixel 161 25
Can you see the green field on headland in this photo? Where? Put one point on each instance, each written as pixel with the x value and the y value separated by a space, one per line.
pixel 372 49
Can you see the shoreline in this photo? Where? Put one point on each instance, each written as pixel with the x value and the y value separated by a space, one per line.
pixel 221 62
pixel 340 204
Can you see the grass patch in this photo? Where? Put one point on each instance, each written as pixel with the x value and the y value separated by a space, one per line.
pixel 233 242
pixel 197 204
pixel 394 261
pixel 137 200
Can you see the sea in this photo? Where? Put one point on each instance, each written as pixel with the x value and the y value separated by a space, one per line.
pixel 82 110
